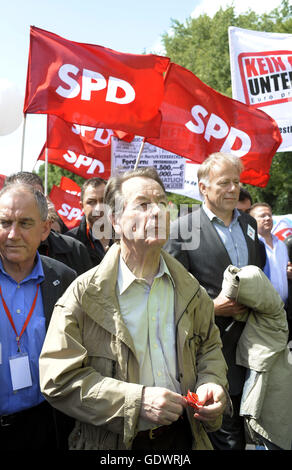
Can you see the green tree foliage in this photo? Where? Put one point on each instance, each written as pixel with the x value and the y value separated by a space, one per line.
pixel 201 45
pixel 179 200
pixel 55 174
pixel 278 191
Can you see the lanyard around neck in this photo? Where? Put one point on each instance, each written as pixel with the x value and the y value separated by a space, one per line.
pixel 27 318
pixel 89 237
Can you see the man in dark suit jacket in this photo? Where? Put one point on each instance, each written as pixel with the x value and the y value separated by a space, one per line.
pixel 206 241
pixel 57 277
pixel 67 250
pixel 30 285
pixel 93 230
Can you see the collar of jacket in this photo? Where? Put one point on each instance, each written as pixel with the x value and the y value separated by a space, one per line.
pixel 57 244
pixel 100 301
pixel 81 230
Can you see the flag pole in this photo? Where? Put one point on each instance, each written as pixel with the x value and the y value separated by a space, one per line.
pixel 22 143
pixel 46 171
pixel 46 159
pixel 112 155
pixel 139 154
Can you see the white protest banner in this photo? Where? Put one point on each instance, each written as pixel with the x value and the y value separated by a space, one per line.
pixel 282 226
pixel 170 167
pixel 191 187
pixel 261 75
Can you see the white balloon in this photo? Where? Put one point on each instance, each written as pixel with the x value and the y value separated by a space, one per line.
pixel 11 107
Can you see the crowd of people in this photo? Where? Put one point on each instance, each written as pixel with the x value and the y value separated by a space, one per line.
pixel 105 333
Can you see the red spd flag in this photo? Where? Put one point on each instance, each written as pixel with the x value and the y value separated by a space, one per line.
pixel 124 136
pixel 95 86
pixel 70 186
pixel 197 121
pixel 87 140
pixel 67 206
pixel 2 180
pixel 82 165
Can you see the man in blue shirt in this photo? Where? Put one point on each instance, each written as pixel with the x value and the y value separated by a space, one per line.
pixel 58 246
pixel 30 285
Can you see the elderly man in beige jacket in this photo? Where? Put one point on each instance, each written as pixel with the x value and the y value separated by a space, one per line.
pixel 130 337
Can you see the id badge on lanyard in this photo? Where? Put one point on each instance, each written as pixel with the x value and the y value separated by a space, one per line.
pixel 20 371
pixel 19 364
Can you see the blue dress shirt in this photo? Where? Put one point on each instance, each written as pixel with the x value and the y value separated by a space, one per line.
pixel 19 299
pixel 232 237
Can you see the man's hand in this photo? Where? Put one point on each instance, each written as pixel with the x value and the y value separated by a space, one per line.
pixel 161 406
pixel 225 307
pixel 214 401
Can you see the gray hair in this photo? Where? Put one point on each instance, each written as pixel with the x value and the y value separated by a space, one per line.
pixel 217 158
pixel 39 197
pixel 25 177
pixel 113 196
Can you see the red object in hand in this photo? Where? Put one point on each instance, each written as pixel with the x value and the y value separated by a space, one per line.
pixel 193 400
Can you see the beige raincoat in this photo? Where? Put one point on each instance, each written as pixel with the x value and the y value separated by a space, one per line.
pixel 263 350
pixel 89 368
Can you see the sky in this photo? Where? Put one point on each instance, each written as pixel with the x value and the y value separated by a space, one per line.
pixel 131 26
